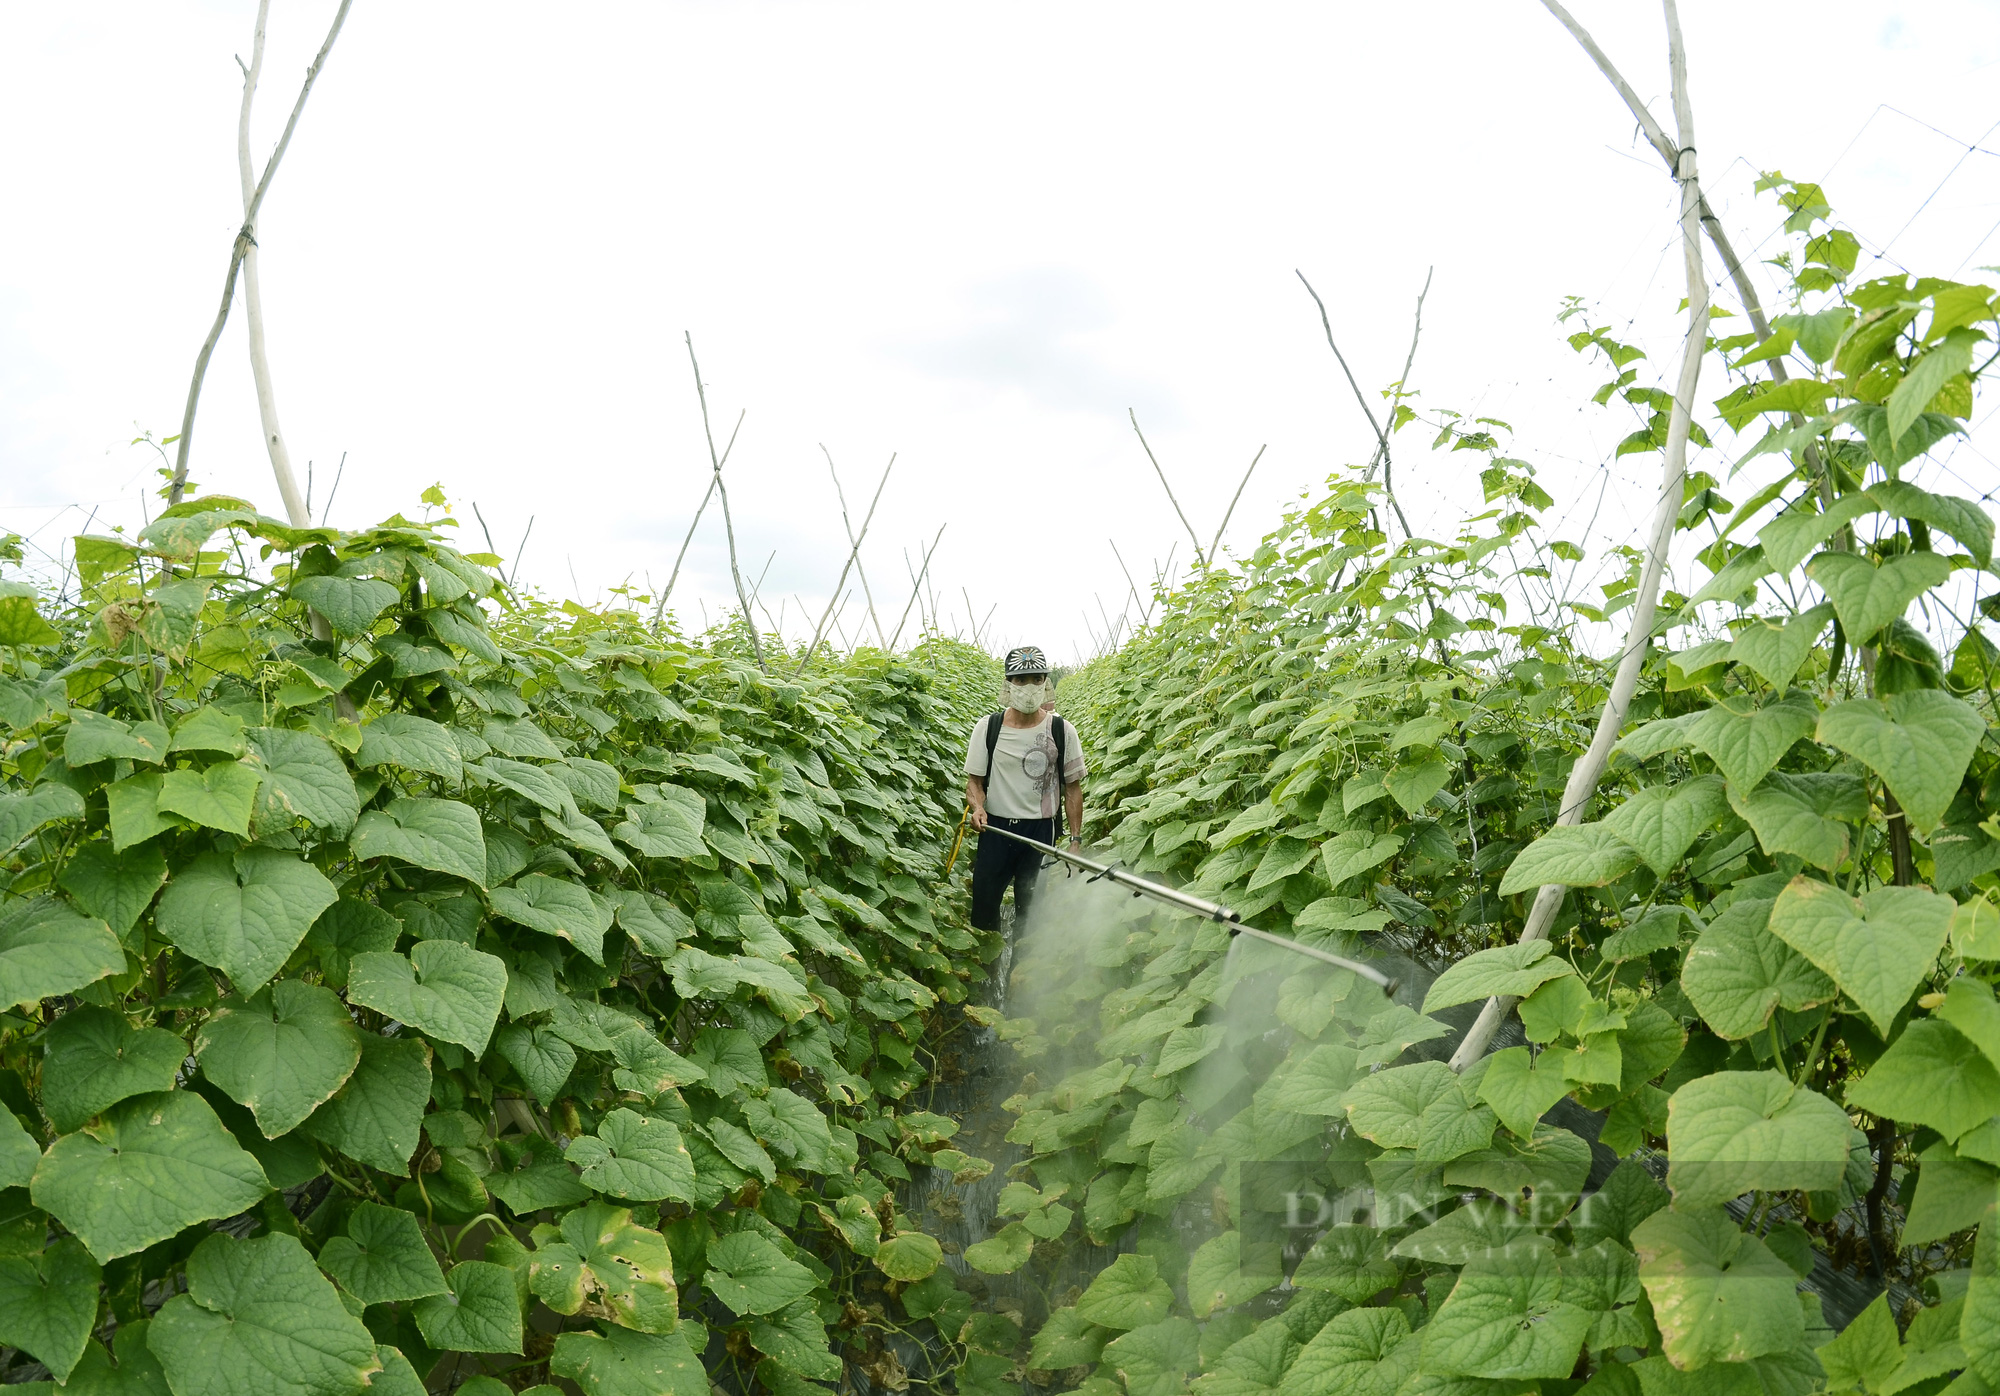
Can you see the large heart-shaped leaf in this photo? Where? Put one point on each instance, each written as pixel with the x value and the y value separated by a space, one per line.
pixel 442 835
pixel 1738 973
pixel 259 1319
pixel 304 778
pixel 607 1259
pixel 558 908
pixel 1867 597
pixel 1792 535
pixel 1660 821
pixel 94 1058
pixel 1931 1075
pixel 1805 815
pixel 150 1167
pixel 414 743
pixel 220 797
pixel 383 1257
pixel 48 1304
pixel 1718 1295
pixel 667 827
pixel 1919 741
pixel 1517 970
pixel 46 949
pixel 244 913
pixel 1353 853
pixel 542 1058
pixel 1128 1293
pixel 446 989
pixel 1776 649
pixel 751 1275
pixel 23 813
pixel 1520 1089
pixel 1747 741
pixel 634 1157
pixel 1361 1351
pixel 479 1313
pixel 1877 949
pixel 114 887
pixel 348 928
pixel 282 1053
pixel 1734 1131
pixel 1506 1317
pixel 1573 855
pixel 93 737
pixel 377 1115
pixel 623 1362
pixel 1960 518
pixel 350 604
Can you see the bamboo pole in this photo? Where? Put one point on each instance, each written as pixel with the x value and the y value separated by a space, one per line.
pixel 1589 768
pixel 1165 486
pixel 722 493
pixel 853 557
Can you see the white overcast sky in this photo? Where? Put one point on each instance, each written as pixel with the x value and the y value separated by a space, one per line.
pixel 973 235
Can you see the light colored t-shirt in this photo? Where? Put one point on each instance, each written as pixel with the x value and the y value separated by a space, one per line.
pixel 1023 782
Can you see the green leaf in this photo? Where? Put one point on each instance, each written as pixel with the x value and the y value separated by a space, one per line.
pixel 20 622
pixel 792 1125
pixel 1877 949
pixel 48 1305
pixel 19 1153
pixel 1975 930
pixel 1506 1318
pixel 1867 597
pixel 220 797
pixel 1520 1089
pixel 479 1314
pixel 382 1257
pixel 114 887
pixel 1516 970
pixel 1186 1046
pixel 46 949
pixel 348 928
pixel 621 1362
pixel 1154 1360
pixel 1970 1007
pixel 1351 854
pixel 1959 853
pixel 1660 821
pixel 796 1340
pixel 606 1259
pixel 752 1276
pixel 1919 741
pixel 1931 1075
pixel 562 909
pixel 1412 786
pixel 1746 741
pixel 259 1320
pixel 1868 1350
pixel 1737 973
pixel 23 813
pixel 282 1054
pixel 543 1059
pixel 1952 1195
pixel 535 1177
pixel 350 604
pixel 1006 1250
pixel 92 737
pixel 1315 1083
pixel 908 1256
pixel 152 1166
pixel 94 1058
pixel 1574 855
pixel 1219 1278
pixel 210 729
pixel 1363 1352
pixel 1734 1131
pixel 1936 367
pixel 1960 518
pixel 1252 1366
pixel 442 835
pixel 523 779
pixel 376 1116
pixel 1068 1339
pixel 1804 815
pixel 668 827
pixel 1979 1328
pixel 1126 1294
pixel 1777 650
pixel 243 913
pixel 304 778
pixel 414 743
pixel 445 989
pixel 1792 535
pixel 133 805
pixel 633 1156
pixel 1718 1295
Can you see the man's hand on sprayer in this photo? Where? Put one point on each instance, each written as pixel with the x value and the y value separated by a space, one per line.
pixel 978 819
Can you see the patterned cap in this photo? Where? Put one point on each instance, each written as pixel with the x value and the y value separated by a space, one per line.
pixel 1025 661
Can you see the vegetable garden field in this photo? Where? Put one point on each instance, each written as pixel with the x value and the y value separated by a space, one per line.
pixel 412 985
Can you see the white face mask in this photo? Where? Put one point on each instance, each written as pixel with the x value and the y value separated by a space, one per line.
pixel 1027 698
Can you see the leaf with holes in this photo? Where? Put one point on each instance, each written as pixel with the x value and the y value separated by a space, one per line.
pixel 382 1258
pixel 1878 949
pixel 258 1319
pixel 243 913
pixel 282 1053
pixel 604 1259
pixel 1918 741
pixel 150 1167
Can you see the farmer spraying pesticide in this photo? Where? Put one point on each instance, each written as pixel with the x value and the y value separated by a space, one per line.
pixel 1024 772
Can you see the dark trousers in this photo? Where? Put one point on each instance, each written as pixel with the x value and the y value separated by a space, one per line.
pixel 1000 862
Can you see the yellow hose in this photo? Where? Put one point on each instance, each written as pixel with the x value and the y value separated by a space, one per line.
pixel 960 839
